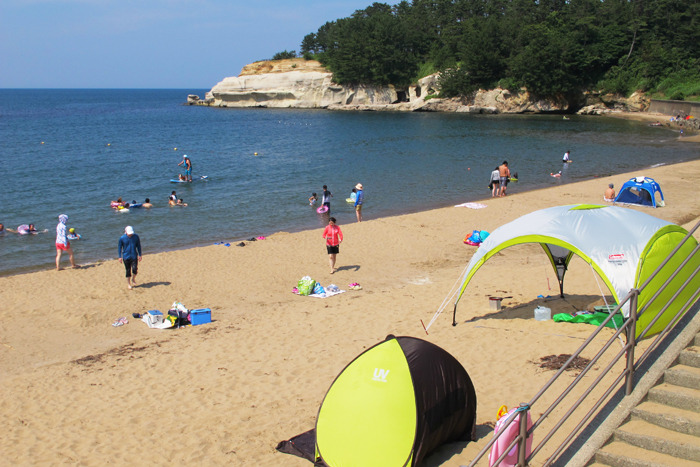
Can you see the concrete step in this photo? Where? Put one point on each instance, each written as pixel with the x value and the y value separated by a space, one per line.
pixel 671 418
pixel 697 339
pixel 683 375
pixel 618 454
pixel 676 396
pixel 644 435
pixel 690 355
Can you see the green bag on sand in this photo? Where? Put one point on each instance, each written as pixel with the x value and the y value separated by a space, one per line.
pixel 590 318
pixel 306 285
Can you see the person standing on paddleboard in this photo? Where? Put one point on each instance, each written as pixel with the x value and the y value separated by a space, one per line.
pixel 188 167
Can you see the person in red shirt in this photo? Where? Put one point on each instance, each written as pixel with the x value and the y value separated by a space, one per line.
pixel 333 236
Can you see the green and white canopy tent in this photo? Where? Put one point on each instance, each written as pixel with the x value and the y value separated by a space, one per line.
pixel 622 245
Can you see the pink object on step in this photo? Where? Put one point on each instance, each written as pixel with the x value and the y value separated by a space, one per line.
pixel 510 433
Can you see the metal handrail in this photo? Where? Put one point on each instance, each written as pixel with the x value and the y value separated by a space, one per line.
pixel 629 327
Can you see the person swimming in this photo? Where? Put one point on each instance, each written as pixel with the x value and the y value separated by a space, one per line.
pixel 26 229
pixel 117 204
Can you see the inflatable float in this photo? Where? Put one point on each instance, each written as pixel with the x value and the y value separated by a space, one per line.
pixel 24 229
pixel 322 209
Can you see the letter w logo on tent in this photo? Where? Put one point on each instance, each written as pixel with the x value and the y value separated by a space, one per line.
pixel 380 375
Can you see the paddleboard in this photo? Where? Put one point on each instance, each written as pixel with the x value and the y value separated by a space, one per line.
pixel 177 180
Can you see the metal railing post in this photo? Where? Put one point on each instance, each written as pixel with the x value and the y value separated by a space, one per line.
pixel 522 441
pixel 631 342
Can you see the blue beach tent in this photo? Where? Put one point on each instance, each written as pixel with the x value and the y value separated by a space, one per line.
pixel 640 190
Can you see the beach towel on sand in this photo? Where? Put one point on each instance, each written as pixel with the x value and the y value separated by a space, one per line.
pixel 320 292
pixel 471 205
pixel 326 294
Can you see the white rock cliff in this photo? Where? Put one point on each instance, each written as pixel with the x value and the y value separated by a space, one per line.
pixel 299 83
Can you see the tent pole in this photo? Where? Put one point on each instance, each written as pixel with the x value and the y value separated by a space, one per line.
pixel 454 315
pixel 561 287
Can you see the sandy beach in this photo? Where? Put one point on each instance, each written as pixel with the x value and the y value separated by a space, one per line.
pixel 77 390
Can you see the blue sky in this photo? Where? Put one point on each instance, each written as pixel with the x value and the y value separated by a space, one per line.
pixel 186 44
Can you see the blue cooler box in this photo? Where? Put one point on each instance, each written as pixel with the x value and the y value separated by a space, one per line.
pixel 200 316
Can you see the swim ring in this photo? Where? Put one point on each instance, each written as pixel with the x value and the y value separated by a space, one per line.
pixel 322 209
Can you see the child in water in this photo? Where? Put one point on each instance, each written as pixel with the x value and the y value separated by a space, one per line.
pixel 312 199
pixel 73 235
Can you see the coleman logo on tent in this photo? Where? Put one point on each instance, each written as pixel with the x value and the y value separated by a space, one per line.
pixel 380 375
pixel 616 258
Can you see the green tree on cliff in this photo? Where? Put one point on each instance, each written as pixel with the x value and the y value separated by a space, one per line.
pixel 550 46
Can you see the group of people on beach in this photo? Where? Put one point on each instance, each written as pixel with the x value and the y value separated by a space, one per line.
pixel 128 248
pixel 122 206
pixel 499 180
pixel 173 200
pixel 357 197
pixel 129 244
pixel 332 234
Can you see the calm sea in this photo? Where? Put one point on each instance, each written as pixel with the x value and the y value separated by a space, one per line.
pixel 73 151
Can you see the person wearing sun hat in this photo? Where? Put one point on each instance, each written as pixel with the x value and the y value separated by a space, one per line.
pixel 188 167
pixel 62 243
pixel 358 201
pixel 129 251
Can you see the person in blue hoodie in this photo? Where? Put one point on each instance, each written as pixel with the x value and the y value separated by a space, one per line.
pixel 129 249
pixel 358 201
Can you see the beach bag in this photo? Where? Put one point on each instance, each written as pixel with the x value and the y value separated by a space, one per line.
pixel 306 285
pixel 318 289
pixel 476 236
pixel 507 437
pixel 474 239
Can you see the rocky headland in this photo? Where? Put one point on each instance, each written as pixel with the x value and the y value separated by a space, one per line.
pixel 306 84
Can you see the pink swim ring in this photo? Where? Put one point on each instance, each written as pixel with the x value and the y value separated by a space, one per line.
pixel 322 209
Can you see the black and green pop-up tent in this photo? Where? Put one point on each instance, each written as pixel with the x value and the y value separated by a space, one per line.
pixel 391 406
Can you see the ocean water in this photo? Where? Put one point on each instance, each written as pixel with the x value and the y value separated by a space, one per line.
pixel 73 151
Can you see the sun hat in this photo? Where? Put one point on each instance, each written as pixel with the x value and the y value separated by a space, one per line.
pixel 185 156
pixel 129 230
pixel 358 186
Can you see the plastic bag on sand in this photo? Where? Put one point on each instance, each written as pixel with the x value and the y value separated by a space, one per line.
pixel 318 289
pixel 179 306
pixel 306 285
